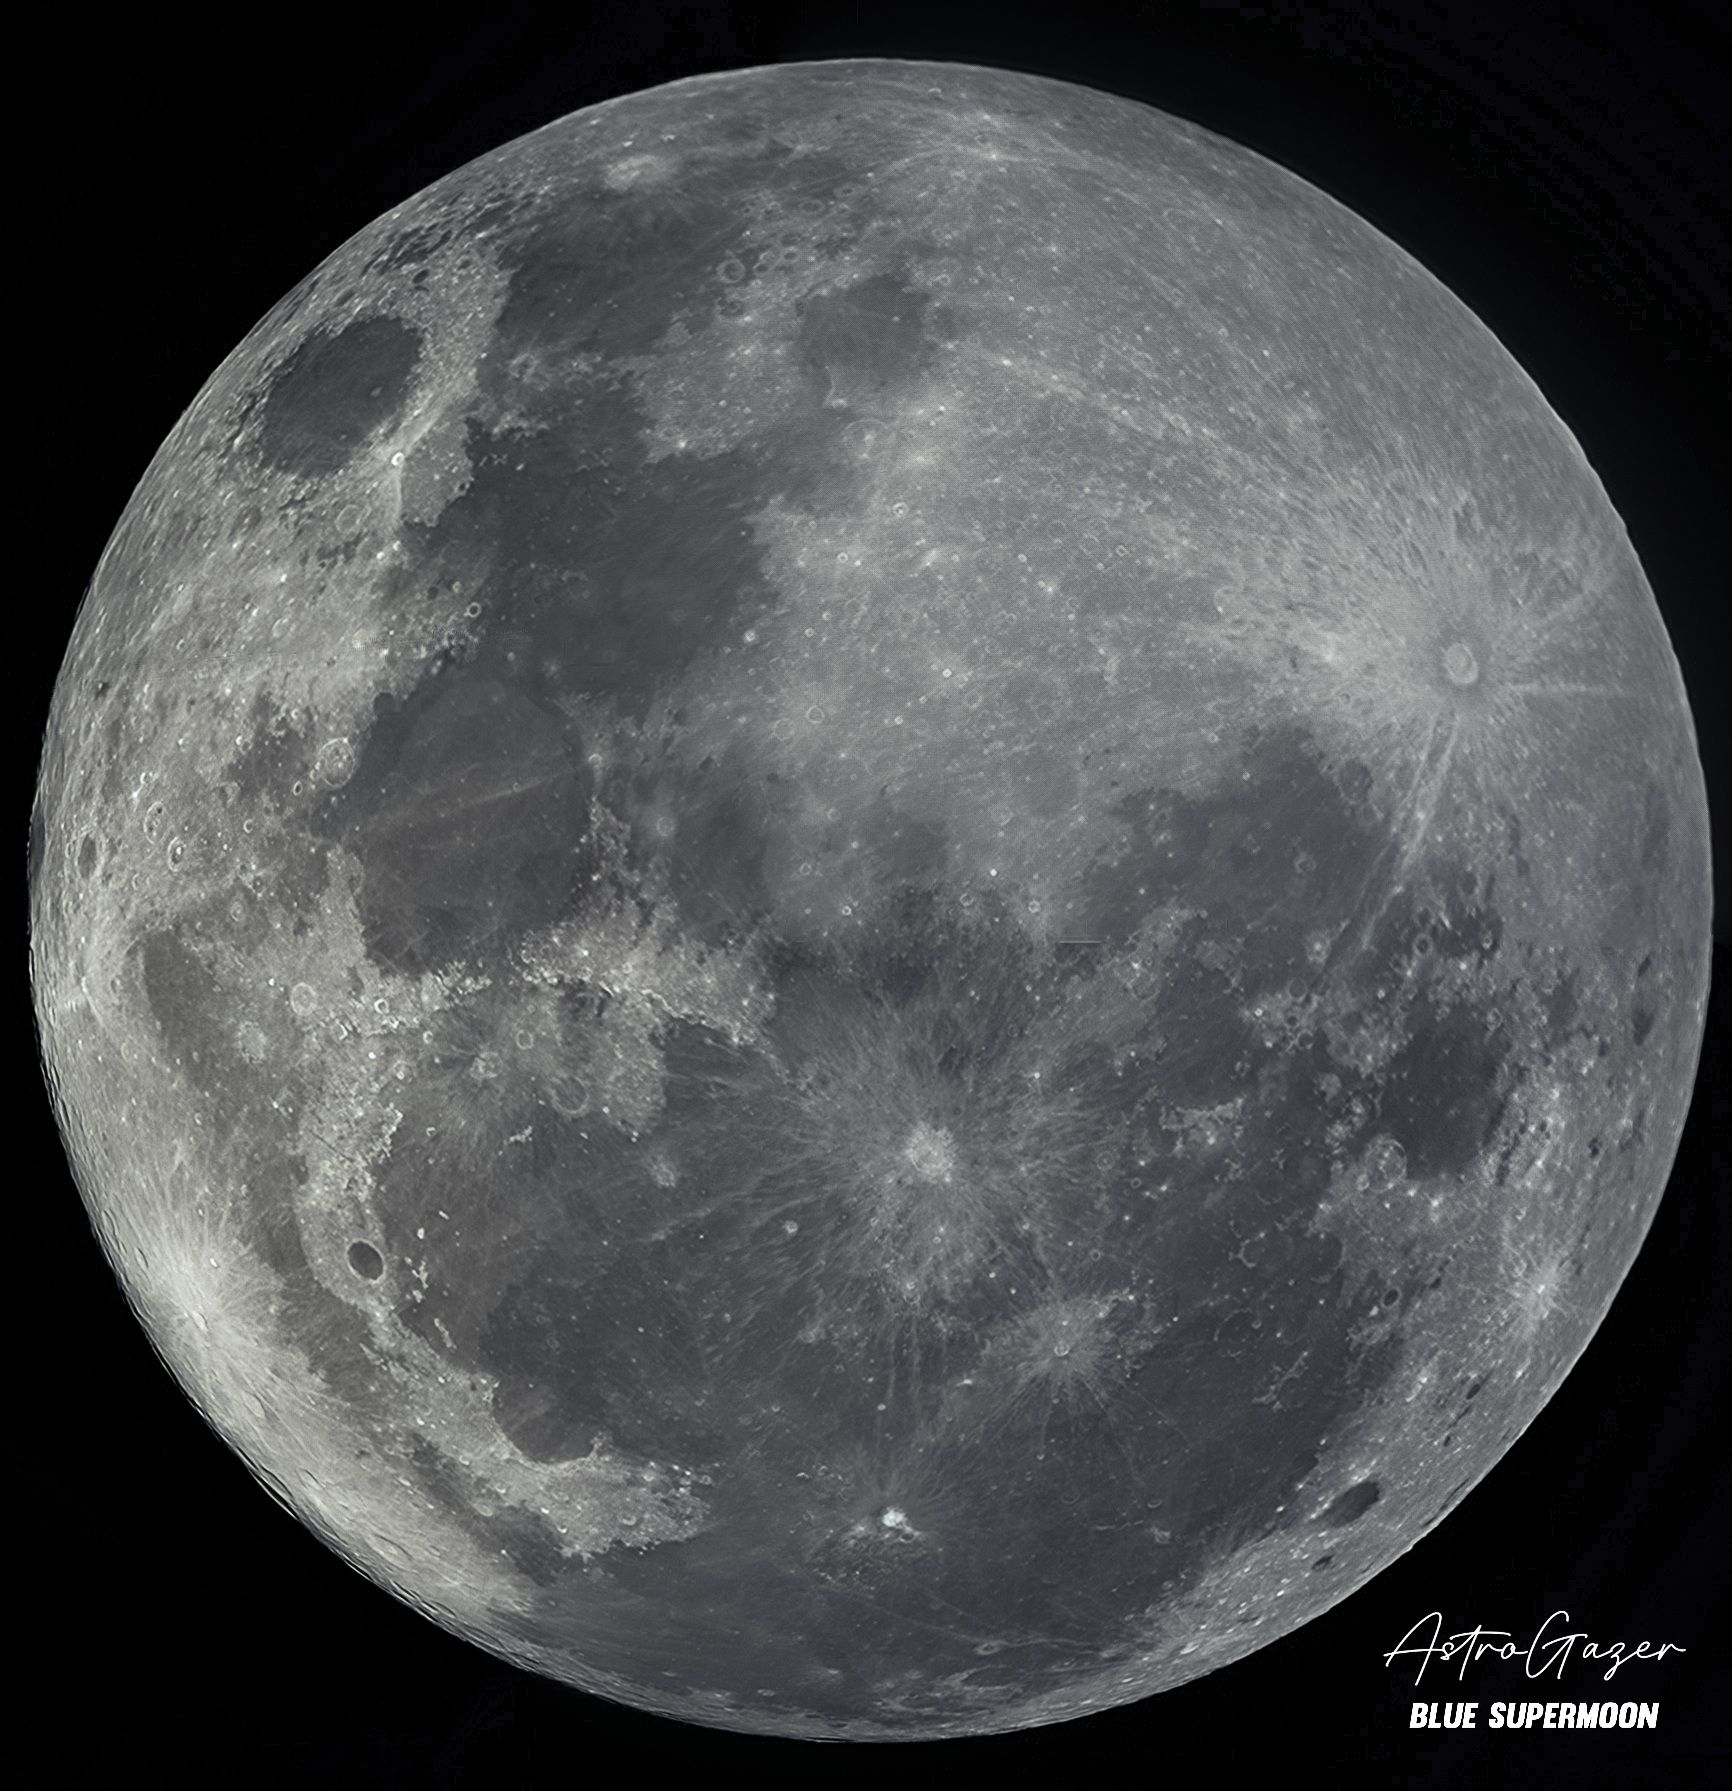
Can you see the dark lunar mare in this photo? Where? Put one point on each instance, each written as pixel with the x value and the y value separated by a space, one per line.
pixel 741 1322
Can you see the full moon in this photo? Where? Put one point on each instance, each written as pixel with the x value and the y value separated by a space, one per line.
pixel 870 900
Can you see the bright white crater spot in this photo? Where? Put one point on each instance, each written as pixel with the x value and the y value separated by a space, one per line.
pixel 930 1154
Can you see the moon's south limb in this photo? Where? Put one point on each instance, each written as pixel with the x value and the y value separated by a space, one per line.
pixel 870 900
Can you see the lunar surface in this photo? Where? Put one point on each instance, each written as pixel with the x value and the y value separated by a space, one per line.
pixel 870 900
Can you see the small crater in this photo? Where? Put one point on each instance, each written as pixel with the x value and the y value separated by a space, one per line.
pixel 930 1153
pixel 1385 1164
pixel 1459 664
pixel 634 171
pixel 335 763
pixel 1353 1504
pixel 568 1096
pixel 365 1260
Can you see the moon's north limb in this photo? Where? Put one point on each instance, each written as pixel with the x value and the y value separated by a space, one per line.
pixel 871 900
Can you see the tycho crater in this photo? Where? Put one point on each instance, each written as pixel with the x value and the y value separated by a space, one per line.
pixel 870 900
